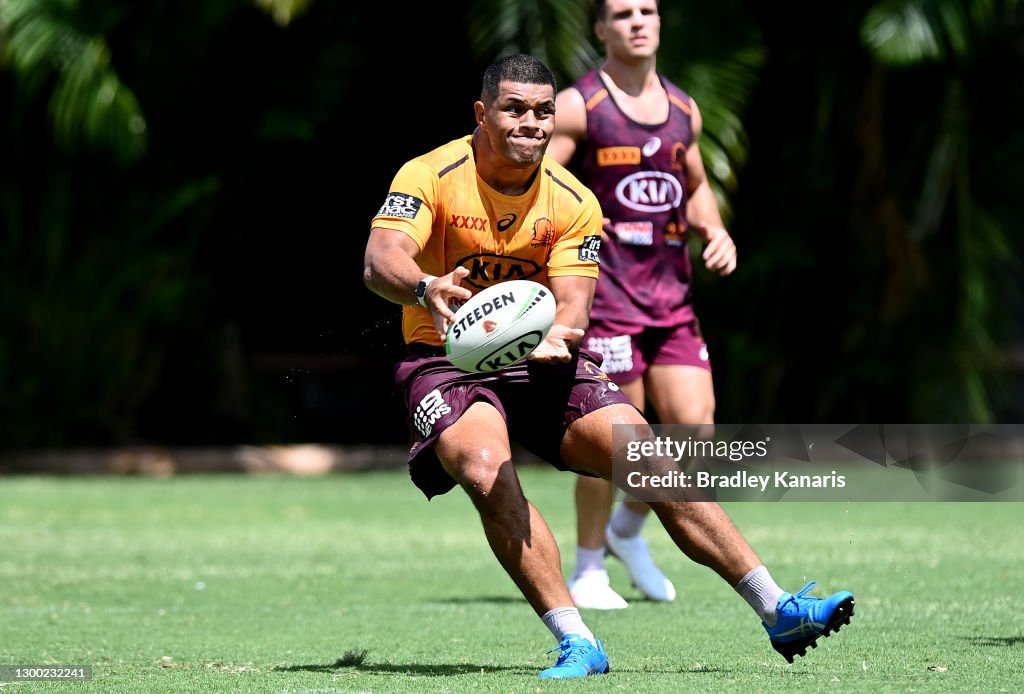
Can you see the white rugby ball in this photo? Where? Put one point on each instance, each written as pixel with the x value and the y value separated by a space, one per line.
pixel 500 326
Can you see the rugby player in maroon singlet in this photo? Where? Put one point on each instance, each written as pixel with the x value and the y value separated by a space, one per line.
pixel 632 137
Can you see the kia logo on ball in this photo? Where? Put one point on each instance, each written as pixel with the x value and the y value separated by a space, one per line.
pixel 511 352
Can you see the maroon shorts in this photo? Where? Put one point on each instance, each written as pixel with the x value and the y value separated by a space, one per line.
pixel 629 350
pixel 538 402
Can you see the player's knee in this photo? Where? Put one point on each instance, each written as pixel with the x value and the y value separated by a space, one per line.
pixel 497 494
pixel 695 412
pixel 481 471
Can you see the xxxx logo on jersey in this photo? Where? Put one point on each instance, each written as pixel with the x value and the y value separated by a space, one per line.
pixel 460 221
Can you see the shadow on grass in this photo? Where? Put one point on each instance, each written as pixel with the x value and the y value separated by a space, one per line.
pixel 493 599
pixel 700 667
pixel 995 640
pixel 450 669
pixel 435 670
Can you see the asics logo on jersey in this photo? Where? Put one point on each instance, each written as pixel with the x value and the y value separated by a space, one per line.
pixel 460 221
pixel 486 269
pixel 650 191
pixel 505 222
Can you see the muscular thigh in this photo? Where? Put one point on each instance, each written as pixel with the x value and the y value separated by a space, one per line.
pixel 589 442
pixel 681 394
pixel 599 441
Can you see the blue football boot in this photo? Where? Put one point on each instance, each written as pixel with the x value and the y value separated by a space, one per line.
pixel 578 658
pixel 801 620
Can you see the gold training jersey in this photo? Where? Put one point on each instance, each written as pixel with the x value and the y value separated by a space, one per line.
pixel 552 230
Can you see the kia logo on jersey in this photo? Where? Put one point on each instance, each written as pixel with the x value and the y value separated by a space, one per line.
pixel 487 268
pixel 649 191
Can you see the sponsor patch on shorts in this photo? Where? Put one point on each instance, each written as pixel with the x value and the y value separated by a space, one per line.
pixel 431 408
pixel 617 352
pixel 400 205
pixel 590 249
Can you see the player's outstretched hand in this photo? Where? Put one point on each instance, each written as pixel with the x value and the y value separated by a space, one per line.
pixel 720 252
pixel 555 347
pixel 439 295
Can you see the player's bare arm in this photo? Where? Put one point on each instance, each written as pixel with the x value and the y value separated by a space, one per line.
pixel 390 270
pixel 570 130
pixel 573 297
pixel 570 125
pixel 702 213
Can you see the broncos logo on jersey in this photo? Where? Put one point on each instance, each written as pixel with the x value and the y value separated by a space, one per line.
pixel 595 371
pixel 543 232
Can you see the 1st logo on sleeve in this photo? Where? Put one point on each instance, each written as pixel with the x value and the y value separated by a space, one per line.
pixel 401 205
pixel 590 249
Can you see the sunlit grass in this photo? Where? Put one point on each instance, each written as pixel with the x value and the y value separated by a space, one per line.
pixel 356 583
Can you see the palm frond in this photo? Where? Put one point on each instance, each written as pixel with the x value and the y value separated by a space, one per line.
pixel 89 105
pixel 901 33
pixel 555 31
pixel 283 11
pixel 907 32
pixel 722 90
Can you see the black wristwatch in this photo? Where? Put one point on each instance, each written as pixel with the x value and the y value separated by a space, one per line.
pixel 421 290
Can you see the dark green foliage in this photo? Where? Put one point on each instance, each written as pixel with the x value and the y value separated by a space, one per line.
pixel 183 200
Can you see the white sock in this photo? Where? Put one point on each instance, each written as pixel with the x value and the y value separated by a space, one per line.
pixel 588 560
pixel 626 522
pixel 761 592
pixel 567 620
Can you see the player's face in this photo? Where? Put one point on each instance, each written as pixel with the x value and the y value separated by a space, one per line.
pixel 630 29
pixel 520 121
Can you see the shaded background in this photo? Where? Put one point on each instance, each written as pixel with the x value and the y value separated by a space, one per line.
pixel 185 194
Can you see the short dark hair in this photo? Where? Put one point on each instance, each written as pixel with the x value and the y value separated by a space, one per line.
pixel 601 5
pixel 515 68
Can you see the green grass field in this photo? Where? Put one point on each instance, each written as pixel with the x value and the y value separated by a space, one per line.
pixel 266 584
